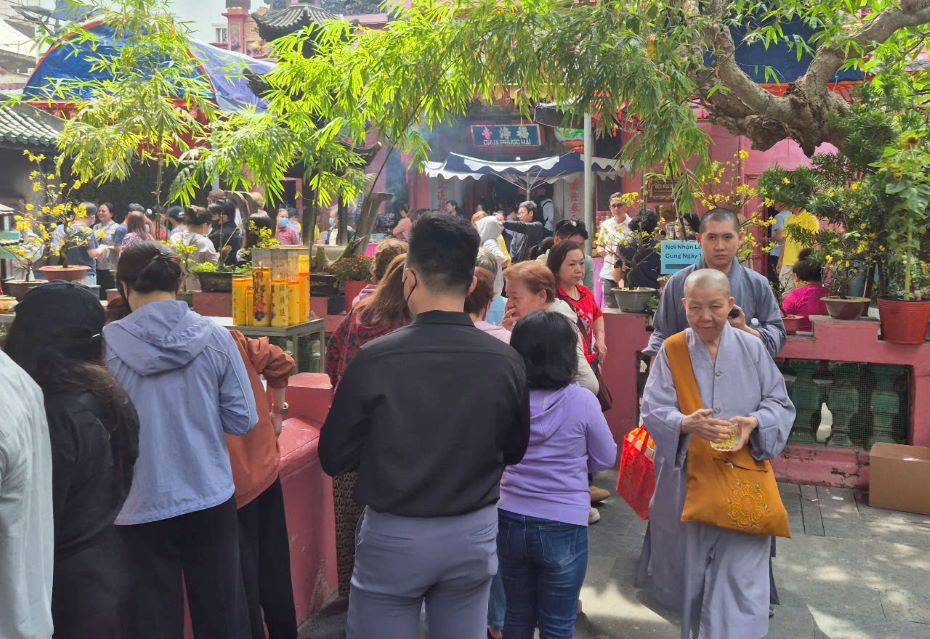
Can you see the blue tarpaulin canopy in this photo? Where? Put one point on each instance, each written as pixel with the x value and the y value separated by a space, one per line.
pixel 222 69
pixel 753 57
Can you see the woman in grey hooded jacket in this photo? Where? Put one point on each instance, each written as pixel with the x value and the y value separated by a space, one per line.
pixel 186 378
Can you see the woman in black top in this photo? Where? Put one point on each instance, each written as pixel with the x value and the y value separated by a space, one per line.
pixel 94 436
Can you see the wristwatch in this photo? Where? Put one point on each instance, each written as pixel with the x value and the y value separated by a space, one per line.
pixel 281 410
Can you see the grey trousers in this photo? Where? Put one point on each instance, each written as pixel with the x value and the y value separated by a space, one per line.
pixel 606 287
pixel 402 562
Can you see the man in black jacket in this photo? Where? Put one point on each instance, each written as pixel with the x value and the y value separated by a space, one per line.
pixel 428 415
pixel 225 235
pixel 527 233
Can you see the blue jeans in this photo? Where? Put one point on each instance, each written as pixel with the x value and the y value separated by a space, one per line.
pixel 543 563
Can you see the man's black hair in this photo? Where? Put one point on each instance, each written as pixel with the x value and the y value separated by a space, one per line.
pixel 442 251
pixel 133 206
pixel 646 221
pixel 227 207
pixel 570 228
pixel 720 215
pixel 547 343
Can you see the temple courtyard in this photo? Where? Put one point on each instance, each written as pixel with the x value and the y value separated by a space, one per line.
pixel 849 572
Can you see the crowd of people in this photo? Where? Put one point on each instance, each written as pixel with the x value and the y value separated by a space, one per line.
pixel 486 445
pixel 220 233
pixel 142 464
pixel 542 441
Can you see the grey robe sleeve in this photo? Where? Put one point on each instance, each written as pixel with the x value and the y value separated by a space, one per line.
pixel 661 415
pixel 775 412
pixel 771 328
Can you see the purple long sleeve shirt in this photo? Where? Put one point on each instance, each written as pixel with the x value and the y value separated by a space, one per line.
pixel 569 438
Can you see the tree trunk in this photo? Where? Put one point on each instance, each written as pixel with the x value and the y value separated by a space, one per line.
pixel 367 219
pixel 311 214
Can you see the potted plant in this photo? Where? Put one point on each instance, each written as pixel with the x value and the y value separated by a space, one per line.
pixel 842 191
pixel 187 259
pixel 217 278
pixel 322 283
pixel 792 323
pixel 722 186
pixel 48 230
pixel 844 255
pixel 639 252
pixel 26 253
pixel 354 272
pixel 904 308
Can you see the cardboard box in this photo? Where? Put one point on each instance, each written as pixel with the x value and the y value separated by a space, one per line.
pixel 899 478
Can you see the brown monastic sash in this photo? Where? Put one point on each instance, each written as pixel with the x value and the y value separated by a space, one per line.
pixel 728 490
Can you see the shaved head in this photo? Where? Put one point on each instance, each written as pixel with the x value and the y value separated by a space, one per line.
pixel 707 278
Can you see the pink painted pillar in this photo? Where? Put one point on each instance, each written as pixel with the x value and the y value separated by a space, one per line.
pixel 308 495
pixel 626 337
pixel 308 498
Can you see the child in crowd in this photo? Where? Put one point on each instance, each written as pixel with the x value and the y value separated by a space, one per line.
pixel 807 299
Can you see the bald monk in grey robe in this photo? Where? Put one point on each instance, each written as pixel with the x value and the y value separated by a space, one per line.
pixel 718 579
pixel 758 311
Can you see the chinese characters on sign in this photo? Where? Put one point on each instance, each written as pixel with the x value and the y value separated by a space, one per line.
pixel 661 191
pixel 506 136
pixel 575 197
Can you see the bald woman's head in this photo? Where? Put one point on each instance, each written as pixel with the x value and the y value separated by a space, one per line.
pixel 707 303
pixel 707 278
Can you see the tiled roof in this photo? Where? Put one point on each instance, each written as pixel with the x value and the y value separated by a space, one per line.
pixel 280 22
pixel 23 126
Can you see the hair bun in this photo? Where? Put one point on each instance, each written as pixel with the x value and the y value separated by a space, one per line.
pixel 163 273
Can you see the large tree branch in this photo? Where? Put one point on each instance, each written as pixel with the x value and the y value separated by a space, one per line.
pixel 734 100
pixel 742 105
pixel 829 59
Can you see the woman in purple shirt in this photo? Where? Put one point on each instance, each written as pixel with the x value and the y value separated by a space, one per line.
pixel 543 509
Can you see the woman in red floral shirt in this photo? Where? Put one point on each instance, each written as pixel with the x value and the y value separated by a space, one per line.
pixel 566 261
pixel 383 312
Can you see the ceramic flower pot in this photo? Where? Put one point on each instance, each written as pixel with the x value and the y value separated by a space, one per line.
pixel 18 288
pixel 352 289
pixel 792 323
pixel 846 308
pixel 904 322
pixel 635 300
pixel 215 281
pixel 67 273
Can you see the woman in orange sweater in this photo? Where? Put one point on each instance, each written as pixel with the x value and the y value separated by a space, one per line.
pixel 263 540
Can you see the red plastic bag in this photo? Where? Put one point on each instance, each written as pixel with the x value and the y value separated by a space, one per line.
pixel 637 480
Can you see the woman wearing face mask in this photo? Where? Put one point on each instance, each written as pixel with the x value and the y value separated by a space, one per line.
pixel 285 233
